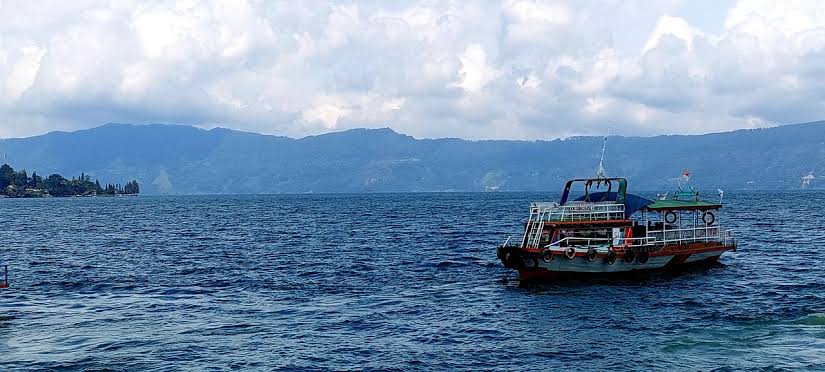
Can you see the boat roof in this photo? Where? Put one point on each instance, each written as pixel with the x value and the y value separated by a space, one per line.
pixel 599 181
pixel 666 205
pixel 632 202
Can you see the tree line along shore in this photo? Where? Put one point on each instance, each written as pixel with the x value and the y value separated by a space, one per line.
pixel 21 185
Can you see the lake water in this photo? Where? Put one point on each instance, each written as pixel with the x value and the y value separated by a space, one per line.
pixel 387 281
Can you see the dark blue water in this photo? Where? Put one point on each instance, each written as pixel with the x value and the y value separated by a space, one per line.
pixel 392 281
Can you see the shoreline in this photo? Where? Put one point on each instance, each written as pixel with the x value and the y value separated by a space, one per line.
pixel 63 196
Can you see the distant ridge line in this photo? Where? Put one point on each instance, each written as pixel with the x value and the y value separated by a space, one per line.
pixel 390 130
pixel 181 159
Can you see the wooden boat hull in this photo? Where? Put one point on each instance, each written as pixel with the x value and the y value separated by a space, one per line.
pixel 532 265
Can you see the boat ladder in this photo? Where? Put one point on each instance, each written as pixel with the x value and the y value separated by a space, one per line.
pixel 535 227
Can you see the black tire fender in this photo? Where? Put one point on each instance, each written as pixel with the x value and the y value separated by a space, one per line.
pixel 610 258
pixel 592 254
pixel 547 255
pixel 629 256
pixel 643 257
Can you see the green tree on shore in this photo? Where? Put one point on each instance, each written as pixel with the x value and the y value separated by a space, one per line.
pixel 6 176
pixel 35 181
pixel 131 187
pixel 19 184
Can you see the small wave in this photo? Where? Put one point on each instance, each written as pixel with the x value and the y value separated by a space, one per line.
pixel 309 289
pixel 450 263
pixel 817 319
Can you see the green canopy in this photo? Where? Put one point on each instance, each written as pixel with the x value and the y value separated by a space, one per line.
pixel 663 205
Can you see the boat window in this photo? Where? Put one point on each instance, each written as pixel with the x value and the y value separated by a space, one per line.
pixel 581 236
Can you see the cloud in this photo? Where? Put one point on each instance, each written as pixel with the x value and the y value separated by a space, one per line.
pixel 473 69
pixel 326 113
pixel 475 73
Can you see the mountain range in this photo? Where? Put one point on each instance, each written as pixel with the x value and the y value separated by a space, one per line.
pixel 187 160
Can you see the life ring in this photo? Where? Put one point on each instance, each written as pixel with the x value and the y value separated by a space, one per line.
pixel 547 255
pixel 592 254
pixel 629 256
pixel 570 253
pixel 668 216
pixel 530 262
pixel 643 257
pixel 708 218
pixel 610 258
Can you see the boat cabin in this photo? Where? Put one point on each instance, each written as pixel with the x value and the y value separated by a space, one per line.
pixel 605 215
pixel 682 221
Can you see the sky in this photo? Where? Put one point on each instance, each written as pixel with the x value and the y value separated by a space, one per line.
pixel 469 69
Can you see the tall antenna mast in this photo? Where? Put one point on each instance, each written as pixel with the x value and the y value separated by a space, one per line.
pixel 600 169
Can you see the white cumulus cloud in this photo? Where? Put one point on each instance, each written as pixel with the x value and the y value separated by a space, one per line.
pixel 474 69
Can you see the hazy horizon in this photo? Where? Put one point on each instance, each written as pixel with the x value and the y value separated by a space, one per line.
pixel 606 134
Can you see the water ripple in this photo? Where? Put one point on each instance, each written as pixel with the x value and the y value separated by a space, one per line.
pixel 386 281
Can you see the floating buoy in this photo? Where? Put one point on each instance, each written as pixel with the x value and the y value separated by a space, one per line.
pixel 570 253
pixel 670 217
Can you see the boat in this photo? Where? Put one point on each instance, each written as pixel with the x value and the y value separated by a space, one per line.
pixel 5 282
pixel 601 229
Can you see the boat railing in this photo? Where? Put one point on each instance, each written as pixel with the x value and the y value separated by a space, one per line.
pixel 573 241
pixel 686 235
pixel 510 242
pixel 572 212
pixel 729 238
